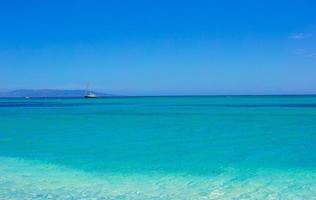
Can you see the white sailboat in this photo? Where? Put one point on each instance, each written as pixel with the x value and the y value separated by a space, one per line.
pixel 89 94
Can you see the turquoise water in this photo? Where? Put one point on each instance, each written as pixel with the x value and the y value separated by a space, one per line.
pixel 158 148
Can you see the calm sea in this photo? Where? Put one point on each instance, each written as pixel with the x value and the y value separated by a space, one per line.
pixel 241 147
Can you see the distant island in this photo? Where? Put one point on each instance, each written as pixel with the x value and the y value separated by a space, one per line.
pixel 48 93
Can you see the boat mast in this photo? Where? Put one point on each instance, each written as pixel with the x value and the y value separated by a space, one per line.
pixel 87 89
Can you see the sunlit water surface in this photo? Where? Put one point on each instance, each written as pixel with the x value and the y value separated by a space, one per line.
pixel 158 148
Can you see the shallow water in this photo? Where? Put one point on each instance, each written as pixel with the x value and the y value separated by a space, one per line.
pixel 158 148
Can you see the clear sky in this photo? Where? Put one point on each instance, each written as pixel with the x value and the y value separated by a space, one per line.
pixel 159 47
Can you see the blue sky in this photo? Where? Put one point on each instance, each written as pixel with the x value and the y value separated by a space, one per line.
pixel 160 47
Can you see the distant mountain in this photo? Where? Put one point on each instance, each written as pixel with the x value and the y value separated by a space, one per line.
pixel 47 93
